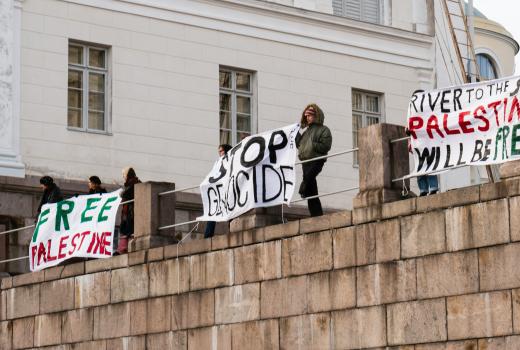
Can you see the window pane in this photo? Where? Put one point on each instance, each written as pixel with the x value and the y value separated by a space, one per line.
pixel 243 104
pixel 486 68
pixel 357 101
pixel 225 102
pixel 75 54
pixel 357 122
pixel 74 118
pixel 243 122
pixel 372 104
pixel 225 120
pixel 75 99
pixel 243 82
pixel 96 120
pixel 96 101
pixel 75 79
pixel 96 82
pixel 225 137
pixel 242 135
pixel 225 79
pixel 96 58
pixel 371 120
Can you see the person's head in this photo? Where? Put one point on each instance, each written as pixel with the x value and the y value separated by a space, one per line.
pixel 128 173
pixel 94 182
pixel 46 182
pixel 312 114
pixel 223 149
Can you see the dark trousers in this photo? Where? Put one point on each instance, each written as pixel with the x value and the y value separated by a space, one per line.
pixel 309 186
pixel 210 229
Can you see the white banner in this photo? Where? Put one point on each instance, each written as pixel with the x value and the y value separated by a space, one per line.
pixel 475 124
pixel 258 172
pixel 81 226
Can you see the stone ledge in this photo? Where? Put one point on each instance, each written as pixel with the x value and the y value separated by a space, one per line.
pixel 111 263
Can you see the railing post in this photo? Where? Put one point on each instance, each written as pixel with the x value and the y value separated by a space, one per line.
pixel 152 211
pixel 379 162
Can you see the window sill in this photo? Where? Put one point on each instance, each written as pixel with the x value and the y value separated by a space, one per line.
pixel 95 132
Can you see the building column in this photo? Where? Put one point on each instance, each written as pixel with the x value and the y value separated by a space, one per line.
pixel 10 61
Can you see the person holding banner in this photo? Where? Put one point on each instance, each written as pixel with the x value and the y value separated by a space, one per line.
pixel 127 211
pixel 94 185
pixel 223 149
pixel 51 192
pixel 313 140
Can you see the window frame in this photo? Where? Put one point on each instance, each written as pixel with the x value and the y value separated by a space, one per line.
pixel 234 92
pixel 85 70
pixel 362 12
pixel 364 114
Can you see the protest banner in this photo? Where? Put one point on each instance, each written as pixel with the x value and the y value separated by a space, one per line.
pixel 81 226
pixel 257 172
pixel 473 124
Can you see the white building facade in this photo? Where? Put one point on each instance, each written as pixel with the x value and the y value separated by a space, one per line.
pixel 88 87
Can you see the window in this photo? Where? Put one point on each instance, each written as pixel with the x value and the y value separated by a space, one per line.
pixel 486 67
pixel 236 105
pixel 87 89
pixel 362 10
pixel 366 110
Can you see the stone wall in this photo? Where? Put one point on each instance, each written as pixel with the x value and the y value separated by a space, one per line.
pixel 429 273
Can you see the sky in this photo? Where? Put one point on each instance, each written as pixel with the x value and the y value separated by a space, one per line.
pixel 504 12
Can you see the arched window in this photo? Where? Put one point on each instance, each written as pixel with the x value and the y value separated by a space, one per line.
pixel 486 67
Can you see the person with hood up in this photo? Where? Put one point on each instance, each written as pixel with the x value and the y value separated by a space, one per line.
pixel 313 140
pixel 51 192
pixel 127 210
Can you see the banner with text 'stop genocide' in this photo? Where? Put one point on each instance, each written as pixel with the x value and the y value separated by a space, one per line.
pixel 473 124
pixel 81 226
pixel 257 172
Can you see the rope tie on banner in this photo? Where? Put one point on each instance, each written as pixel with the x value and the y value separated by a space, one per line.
pixel 178 262
pixel 405 191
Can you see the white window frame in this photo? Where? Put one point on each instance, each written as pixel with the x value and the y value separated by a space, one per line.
pixel 85 69
pixel 381 14
pixel 364 113
pixel 234 93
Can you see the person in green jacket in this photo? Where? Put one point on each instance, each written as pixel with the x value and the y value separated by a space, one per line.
pixel 313 140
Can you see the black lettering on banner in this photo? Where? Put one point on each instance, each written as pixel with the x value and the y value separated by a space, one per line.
pixel 255 193
pixel 260 155
pixel 210 213
pixel 456 99
pixel 285 182
pixel 237 182
pixel 231 183
pixel 273 147
pixel 232 155
pixel 461 151
pixel 426 156
pixel 264 190
pixel 516 90
pixel 222 173
pixel 477 152
pixel 448 154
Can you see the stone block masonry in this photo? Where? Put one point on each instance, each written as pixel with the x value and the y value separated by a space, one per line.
pixel 419 277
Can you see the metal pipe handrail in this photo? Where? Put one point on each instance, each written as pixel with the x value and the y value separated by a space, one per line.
pixel 179 190
pixel 14 259
pixel 16 229
pixel 400 139
pixel 327 156
pixel 326 194
pixel 128 201
pixel 175 225
pixel 433 172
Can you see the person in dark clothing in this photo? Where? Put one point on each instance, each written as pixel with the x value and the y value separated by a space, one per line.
pixel 127 211
pixel 313 140
pixel 210 226
pixel 51 192
pixel 94 185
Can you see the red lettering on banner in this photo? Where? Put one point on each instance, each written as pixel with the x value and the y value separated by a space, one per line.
pixel 62 245
pixel 94 243
pixel 73 243
pixel 107 244
pixel 34 251
pixel 83 234
pixel 515 107
pixel 445 125
pixel 482 110
pixel 464 124
pixel 433 124
pixel 49 256
pixel 494 105
pixel 414 123
pixel 41 253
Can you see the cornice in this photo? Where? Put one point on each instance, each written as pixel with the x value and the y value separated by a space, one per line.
pixel 512 42
pixel 285 24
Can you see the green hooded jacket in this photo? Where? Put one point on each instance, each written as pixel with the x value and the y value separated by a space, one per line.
pixel 317 139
